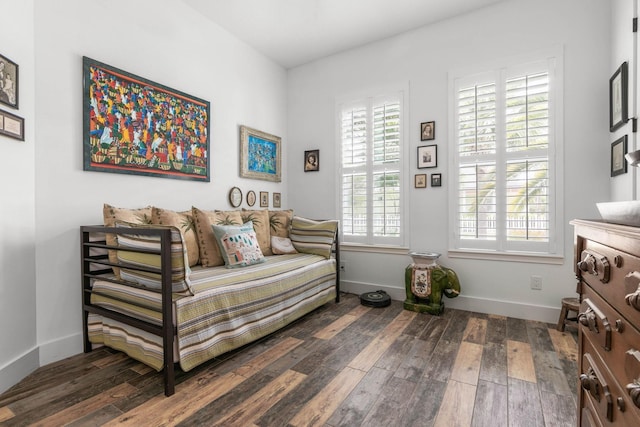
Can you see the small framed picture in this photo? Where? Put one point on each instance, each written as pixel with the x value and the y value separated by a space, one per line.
pixel 618 150
pixel 11 125
pixel 312 160
pixel 427 156
pixel 276 200
pixel 8 82
pixel 427 131
pixel 618 112
pixel 264 199
pixel 251 198
pixel 436 180
pixel 420 180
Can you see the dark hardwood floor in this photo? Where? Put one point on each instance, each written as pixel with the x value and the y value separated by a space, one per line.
pixel 342 365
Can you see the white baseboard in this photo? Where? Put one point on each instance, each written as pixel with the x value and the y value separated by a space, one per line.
pixel 61 348
pixel 16 370
pixel 52 351
pixel 479 305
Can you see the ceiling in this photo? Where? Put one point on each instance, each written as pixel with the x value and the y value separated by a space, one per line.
pixel 294 32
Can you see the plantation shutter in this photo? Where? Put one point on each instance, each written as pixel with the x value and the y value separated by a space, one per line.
pixel 503 139
pixel 371 141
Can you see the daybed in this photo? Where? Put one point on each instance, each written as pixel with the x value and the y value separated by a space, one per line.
pixel 167 287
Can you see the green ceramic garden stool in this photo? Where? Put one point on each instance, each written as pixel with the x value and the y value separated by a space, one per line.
pixel 425 282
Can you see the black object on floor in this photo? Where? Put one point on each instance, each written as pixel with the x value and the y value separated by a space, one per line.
pixel 375 299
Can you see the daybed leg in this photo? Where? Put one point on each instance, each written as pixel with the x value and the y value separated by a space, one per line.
pixel 169 380
pixel 337 255
pixel 168 330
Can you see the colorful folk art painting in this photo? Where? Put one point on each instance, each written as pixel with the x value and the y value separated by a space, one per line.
pixel 134 126
pixel 262 155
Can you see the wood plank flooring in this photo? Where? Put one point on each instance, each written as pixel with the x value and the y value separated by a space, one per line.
pixel 342 365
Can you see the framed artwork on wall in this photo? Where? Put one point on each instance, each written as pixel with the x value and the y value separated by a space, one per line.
pixel 420 180
pixel 277 201
pixel 312 161
pixel 235 197
pixel 427 131
pixel 618 88
pixel 618 162
pixel 8 82
pixel 264 199
pixel 436 180
pixel 427 156
pixel 11 125
pixel 260 155
pixel 251 198
pixel 132 125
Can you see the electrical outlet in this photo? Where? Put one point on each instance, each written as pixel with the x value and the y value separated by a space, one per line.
pixel 343 266
pixel 536 283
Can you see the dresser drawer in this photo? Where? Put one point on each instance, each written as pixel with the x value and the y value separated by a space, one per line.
pixel 604 398
pixel 588 415
pixel 614 274
pixel 617 341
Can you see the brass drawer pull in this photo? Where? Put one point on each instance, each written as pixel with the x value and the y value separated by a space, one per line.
pixel 596 385
pixel 634 392
pixel 633 298
pixel 590 383
pixel 595 264
pixel 590 317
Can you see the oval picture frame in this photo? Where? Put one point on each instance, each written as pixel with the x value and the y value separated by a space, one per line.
pixel 251 198
pixel 235 197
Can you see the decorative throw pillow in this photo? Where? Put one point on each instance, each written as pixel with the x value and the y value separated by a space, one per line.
pixel 260 220
pixel 180 270
pixel 209 251
pixel 238 244
pixel 313 237
pixel 280 222
pixel 282 246
pixel 183 221
pixel 111 214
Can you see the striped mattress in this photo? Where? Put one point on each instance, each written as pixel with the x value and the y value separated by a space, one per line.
pixel 228 309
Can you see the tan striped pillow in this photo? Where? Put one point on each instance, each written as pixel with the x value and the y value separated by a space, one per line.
pixel 313 237
pixel 111 214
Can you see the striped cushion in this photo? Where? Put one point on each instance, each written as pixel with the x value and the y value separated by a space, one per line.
pixel 179 262
pixel 313 237
pixel 112 214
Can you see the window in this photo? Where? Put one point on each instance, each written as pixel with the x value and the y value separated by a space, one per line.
pixel 371 170
pixel 505 186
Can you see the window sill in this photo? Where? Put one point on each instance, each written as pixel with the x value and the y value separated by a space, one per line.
pixel 506 256
pixel 381 249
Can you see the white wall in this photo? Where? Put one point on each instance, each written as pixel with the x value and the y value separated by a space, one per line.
pixel 623 47
pixel 18 351
pixel 169 43
pixel 423 58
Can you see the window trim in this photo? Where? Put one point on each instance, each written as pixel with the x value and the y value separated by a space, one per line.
pixel 398 91
pixel 509 67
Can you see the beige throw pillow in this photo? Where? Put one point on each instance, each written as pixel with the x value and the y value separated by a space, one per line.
pixel 209 251
pixel 260 220
pixel 280 222
pixel 183 221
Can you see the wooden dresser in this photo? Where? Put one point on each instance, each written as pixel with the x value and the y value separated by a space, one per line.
pixel 607 266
